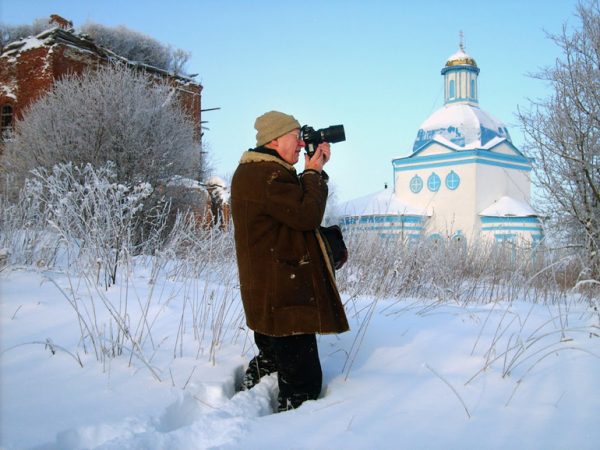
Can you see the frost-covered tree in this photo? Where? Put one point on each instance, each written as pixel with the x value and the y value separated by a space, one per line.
pixel 10 33
pixel 562 132
pixel 137 46
pixel 113 114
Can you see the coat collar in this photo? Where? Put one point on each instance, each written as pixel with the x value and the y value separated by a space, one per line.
pixel 251 156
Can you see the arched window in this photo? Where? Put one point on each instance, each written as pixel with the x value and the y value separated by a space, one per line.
pixel 452 89
pixel 416 184
pixel 473 95
pixel 6 120
pixel 436 238
pixel 433 182
pixel 452 180
pixel 459 239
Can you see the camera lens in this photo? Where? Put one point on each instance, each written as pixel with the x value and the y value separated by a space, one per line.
pixel 333 134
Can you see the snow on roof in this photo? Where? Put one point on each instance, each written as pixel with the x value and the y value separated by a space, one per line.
pixel 8 90
pixel 218 186
pixel 380 203
pixel 508 207
pixel 40 40
pixel 472 146
pixel 460 54
pixel 216 181
pixel 179 181
pixel 463 125
pixel 85 43
pixel 460 58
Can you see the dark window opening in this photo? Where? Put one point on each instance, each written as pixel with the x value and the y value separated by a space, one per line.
pixel 6 120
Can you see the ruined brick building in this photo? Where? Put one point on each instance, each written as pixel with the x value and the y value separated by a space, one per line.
pixel 29 67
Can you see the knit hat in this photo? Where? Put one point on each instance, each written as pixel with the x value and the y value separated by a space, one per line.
pixel 273 124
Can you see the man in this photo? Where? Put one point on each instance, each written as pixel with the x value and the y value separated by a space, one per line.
pixel 286 280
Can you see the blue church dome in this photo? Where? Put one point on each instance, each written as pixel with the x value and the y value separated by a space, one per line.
pixel 460 123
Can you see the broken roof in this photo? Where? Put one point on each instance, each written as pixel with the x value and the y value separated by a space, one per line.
pixel 83 42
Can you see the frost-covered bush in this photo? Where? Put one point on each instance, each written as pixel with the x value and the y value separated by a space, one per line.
pixel 450 271
pixel 81 219
pixel 108 114
pixel 24 234
pixel 93 218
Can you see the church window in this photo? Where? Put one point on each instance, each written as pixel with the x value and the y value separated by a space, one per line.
pixel 473 89
pixel 416 184
pixel 459 239
pixel 433 182
pixel 6 119
pixel 436 238
pixel 452 89
pixel 452 180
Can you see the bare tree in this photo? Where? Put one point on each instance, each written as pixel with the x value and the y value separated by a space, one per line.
pixel 562 132
pixel 109 114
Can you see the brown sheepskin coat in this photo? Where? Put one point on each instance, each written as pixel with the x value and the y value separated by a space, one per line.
pixel 286 280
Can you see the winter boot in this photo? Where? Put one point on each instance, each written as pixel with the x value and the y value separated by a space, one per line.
pixel 258 367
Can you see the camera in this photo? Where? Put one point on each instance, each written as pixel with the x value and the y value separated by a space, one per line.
pixel 312 137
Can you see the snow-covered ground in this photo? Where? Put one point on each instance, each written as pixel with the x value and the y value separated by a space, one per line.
pixel 411 379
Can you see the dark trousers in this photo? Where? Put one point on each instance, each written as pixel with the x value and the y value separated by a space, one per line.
pixel 296 361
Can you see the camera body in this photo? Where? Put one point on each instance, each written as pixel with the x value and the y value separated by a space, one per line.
pixel 312 138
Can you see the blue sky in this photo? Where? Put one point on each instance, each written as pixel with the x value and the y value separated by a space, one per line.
pixel 373 66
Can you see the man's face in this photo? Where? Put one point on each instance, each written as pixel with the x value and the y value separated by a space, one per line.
pixel 289 146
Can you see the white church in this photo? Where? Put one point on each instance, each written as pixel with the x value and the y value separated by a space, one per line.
pixel 464 179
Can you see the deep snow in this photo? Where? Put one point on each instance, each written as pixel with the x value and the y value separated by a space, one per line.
pixel 403 388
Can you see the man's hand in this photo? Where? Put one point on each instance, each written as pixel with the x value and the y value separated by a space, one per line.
pixel 319 159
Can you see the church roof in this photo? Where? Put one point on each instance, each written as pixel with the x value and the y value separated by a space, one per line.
pixel 509 207
pixel 466 126
pixel 382 203
pixel 460 58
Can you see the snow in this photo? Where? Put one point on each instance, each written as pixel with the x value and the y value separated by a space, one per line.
pixel 29 43
pixel 219 187
pixel 415 381
pixel 459 55
pixel 463 127
pixel 216 181
pixel 508 207
pixel 379 203
pixel 188 183
pixel 8 91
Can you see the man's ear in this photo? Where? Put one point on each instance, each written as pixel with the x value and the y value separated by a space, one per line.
pixel 274 144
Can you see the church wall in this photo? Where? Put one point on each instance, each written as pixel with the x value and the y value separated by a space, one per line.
pixel 495 182
pixel 504 149
pixel 482 179
pixel 514 230
pixel 433 149
pixel 460 85
pixel 451 209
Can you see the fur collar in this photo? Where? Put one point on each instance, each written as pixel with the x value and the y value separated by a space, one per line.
pixel 254 157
